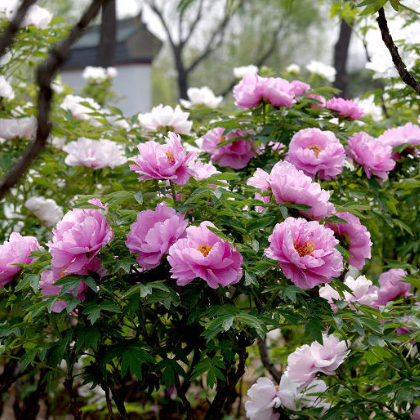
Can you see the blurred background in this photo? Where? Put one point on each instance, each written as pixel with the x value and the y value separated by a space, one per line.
pixel 163 47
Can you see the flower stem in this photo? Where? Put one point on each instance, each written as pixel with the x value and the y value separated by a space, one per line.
pixel 172 185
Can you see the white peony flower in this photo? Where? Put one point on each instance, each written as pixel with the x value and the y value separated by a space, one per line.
pixel 293 68
pixel 166 117
pixel 57 86
pixel 99 73
pixel 12 128
pixel 94 154
pixel 57 142
pixel 361 291
pixel 322 69
pixel 383 67
pixel 6 91
pixel 264 398
pixel 74 104
pixel 201 96
pixel 111 72
pixel 45 209
pixel 37 17
pixel 239 72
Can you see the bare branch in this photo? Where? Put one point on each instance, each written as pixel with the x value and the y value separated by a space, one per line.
pixel 266 361
pixel 262 59
pixel 405 75
pixel 7 38
pixel 193 26
pixel 159 14
pixel 211 44
pixel 45 74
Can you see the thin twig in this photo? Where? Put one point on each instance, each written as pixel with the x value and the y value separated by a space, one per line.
pixel 405 75
pixel 265 359
pixel 45 74
pixel 7 38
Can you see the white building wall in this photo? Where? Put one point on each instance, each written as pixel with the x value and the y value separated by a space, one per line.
pixel 133 86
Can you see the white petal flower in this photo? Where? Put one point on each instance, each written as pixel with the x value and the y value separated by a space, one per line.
pixel 45 209
pixel 201 96
pixel 322 69
pixel 293 68
pixel 239 72
pixel 73 104
pixel 6 90
pixel 12 128
pixel 94 154
pixel 264 398
pixel 166 117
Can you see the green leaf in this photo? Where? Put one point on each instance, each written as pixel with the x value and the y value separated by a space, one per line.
pixel 139 197
pixel 30 279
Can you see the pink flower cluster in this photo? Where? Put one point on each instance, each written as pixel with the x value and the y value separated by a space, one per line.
pixel 305 251
pixel 204 255
pixel 168 162
pixel 154 232
pixel 362 291
pixel 265 397
pixel 356 235
pixel 77 240
pixel 15 251
pixel 236 154
pixel 288 184
pixel 252 89
pixel 391 286
pixel 374 156
pixel 316 152
pixel 345 108
pixel 306 361
pixel 298 386
pixel 408 133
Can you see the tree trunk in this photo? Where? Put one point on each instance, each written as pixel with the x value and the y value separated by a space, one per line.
pixel 182 73
pixel 105 57
pixel 341 50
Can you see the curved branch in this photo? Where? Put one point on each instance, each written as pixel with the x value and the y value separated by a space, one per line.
pixel 211 46
pixel 7 38
pixel 266 361
pixel 405 75
pixel 45 74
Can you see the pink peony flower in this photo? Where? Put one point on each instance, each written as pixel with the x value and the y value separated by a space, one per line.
pixel 301 365
pixel 94 154
pixel 289 184
pixel 202 170
pixel 167 118
pixel 392 285
pixel 374 156
pixel 317 152
pixel 78 238
pixel 361 288
pixel 203 254
pixel 98 203
pixel 264 398
pixel 356 235
pixel 408 133
pixel 15 251
pixel 169 161
pixel 234 155
pixel 305 252
pixel 329 355
pixel 295 396
pixel 318 98
pixel 346 108
pixel 252 89
pixel 306 361
pixel 415 415
pixel 154 232
pixel 299 88
pixel 49 277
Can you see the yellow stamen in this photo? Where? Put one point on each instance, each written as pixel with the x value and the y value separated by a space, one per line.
pixel 204 249
pixel 305 249
pixel 222 139
pixel 170 156
pixel 316 149
pixel 63 274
